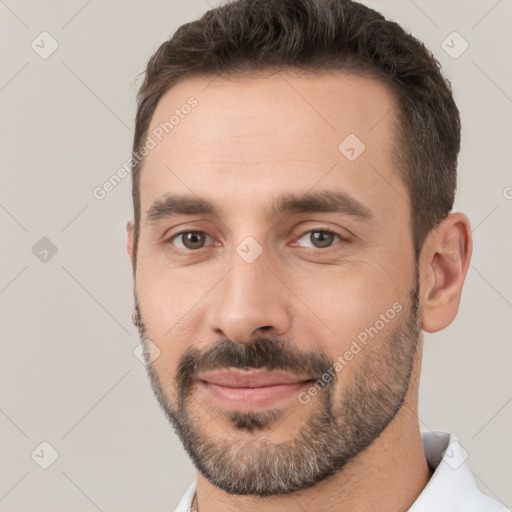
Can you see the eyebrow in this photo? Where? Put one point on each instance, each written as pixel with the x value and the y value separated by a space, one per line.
pixel 322 202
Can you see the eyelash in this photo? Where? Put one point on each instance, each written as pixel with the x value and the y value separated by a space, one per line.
pixel 190 252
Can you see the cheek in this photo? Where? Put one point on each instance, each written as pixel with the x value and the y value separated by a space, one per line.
pixel 171 302
pixel 344 301
pixel 165 366
pixel 165 293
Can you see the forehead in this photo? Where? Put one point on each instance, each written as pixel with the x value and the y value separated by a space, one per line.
pixel 282 132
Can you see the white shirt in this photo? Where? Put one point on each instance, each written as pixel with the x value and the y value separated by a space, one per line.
pixel 451 488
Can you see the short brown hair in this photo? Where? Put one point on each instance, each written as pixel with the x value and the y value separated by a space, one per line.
pixel 323 35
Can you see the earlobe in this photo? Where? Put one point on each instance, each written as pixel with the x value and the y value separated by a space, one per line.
pixel 445 261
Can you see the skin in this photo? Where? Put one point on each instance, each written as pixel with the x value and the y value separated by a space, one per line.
pixel 249 139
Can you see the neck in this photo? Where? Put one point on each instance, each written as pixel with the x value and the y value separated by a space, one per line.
pixel 386 477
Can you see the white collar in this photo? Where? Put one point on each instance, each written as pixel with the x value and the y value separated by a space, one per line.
pixel 451 487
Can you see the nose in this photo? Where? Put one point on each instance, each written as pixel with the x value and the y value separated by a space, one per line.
pixel 249 301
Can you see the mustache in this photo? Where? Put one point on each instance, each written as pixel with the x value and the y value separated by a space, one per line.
pixel 260 353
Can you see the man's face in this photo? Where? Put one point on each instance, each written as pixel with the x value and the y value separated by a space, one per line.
pixel 271 281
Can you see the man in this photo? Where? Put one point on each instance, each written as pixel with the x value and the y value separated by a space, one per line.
pixel 294 175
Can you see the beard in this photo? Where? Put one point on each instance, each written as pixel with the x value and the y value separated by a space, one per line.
pixel 334 432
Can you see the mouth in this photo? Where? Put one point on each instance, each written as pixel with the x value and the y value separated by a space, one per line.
pixel 246 390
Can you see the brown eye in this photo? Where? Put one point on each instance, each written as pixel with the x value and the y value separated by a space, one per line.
pixel 191 240
pixel 319 238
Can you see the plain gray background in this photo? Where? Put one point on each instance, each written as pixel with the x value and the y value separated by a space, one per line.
pixel 68 373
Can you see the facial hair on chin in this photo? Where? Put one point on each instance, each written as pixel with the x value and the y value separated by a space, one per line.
pixel 333 434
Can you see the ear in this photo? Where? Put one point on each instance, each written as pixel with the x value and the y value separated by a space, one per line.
pixel 129 241
pixel 444 263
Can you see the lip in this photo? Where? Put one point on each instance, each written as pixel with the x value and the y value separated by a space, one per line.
pixel 235 378
pixel 246 390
